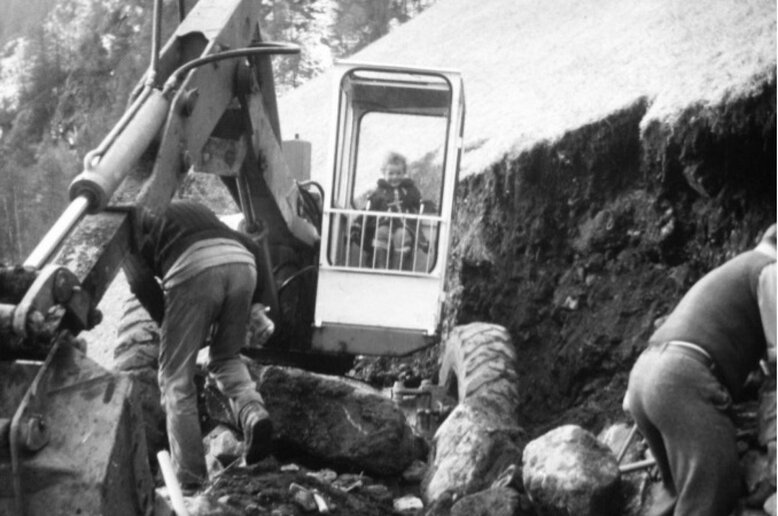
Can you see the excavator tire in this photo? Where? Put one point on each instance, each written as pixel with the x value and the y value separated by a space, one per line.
pixel 479 359
pixel 137 354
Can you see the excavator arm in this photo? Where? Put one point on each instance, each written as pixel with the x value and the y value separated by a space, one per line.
pixel 212 87
pixel 69 429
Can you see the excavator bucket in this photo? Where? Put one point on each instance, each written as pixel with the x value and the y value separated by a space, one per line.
pixel 72 439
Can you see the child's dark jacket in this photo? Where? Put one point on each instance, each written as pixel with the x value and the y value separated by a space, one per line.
pixel 405 198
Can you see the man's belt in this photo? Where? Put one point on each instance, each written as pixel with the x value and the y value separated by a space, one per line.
pixel 695 352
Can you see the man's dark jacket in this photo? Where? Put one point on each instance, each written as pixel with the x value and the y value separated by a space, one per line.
pixel 160 240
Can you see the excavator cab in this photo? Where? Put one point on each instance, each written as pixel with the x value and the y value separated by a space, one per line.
pixel 382 262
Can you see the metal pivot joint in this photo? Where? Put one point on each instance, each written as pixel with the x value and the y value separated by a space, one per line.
pixel 53 297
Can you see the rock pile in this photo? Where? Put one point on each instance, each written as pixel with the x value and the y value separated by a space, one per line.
pixel 568 471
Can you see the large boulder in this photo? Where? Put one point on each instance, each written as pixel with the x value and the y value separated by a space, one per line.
pixel 337 420
pixel 568 472
pixel 471 449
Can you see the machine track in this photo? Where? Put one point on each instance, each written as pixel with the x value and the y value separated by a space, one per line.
pixel 136 354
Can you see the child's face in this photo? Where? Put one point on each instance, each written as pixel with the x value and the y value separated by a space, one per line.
pixel 394 174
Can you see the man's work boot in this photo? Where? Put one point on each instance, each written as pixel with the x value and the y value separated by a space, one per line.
pixel 257 431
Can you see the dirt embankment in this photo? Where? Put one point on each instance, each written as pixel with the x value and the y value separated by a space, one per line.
pixel 579 245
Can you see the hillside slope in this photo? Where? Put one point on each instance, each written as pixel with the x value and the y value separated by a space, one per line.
pixel 534 70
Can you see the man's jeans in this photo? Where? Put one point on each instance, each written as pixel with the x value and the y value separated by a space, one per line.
pixel 220 295
pixel 682 411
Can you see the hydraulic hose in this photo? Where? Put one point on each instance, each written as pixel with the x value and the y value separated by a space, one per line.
pixel 266 48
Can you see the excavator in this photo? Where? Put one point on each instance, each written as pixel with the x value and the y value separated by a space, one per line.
pixel 72 431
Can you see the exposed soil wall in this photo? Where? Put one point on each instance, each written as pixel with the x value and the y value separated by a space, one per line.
pixel 579 245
